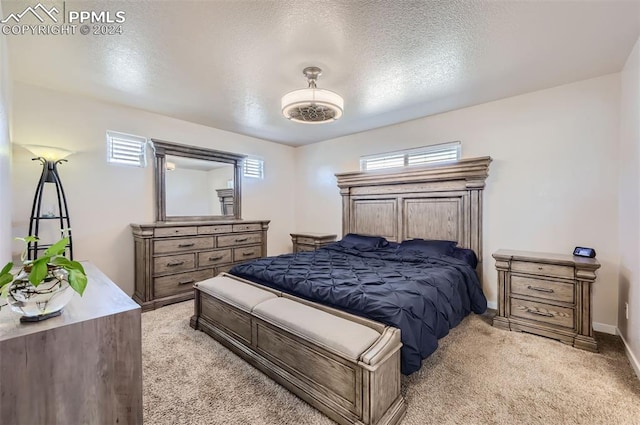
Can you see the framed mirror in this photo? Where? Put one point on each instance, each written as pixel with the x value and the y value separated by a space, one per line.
pixel 194 183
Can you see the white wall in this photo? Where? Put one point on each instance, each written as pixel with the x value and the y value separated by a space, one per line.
pixel 104 198
pixel 629 206
pixel 552 184
pixel 219 179
pixel 188 192
pixel 5 154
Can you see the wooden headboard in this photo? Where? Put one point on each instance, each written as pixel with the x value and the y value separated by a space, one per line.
pixel 435 202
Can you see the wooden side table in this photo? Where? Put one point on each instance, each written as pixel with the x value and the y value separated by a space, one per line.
pixel 310 241
pixel 82 367
pixel 546 294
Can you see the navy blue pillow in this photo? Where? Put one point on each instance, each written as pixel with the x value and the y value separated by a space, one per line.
pixel 466 255
pixel 362 242
pixel 428 247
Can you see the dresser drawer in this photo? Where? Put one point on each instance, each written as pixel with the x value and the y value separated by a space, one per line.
pixel 239 239
pixel 224 268
pixel 163 232
pixel 244 254
pixel 541 312
pixel 168 246
pixel 211 258
pixel 179 283
pixel 542 269
pixel 541 288
pixel 210 230
pixel 247 227
pixel 174 263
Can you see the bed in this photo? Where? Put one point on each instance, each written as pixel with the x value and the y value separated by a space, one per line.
pixel 386 268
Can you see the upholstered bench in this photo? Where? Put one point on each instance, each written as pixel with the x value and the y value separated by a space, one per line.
pixel 346 366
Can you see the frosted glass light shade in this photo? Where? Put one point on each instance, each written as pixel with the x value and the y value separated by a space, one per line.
pixel 47 152
pixel 312 106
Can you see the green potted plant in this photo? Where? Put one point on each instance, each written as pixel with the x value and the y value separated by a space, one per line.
pixel 40 288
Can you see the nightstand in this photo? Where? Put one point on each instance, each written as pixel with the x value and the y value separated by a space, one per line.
pixel 310 241
pixel 546 294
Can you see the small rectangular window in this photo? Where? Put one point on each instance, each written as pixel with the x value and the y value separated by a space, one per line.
pixel 253 168
pixel 126 149
pixel 425 155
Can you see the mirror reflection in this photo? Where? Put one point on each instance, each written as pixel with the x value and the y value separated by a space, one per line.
pixel 197 187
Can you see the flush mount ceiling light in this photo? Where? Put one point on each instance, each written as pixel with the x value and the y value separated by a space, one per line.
pixel 312 105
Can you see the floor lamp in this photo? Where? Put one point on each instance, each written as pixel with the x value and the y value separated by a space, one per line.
pixel 50 158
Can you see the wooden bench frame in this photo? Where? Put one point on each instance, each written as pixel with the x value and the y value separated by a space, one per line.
pixel 366 391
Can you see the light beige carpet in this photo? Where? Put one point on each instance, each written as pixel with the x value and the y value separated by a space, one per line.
pixel 479 375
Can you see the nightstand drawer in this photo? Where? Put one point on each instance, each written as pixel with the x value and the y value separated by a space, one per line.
pixel 542 269
pixel 310 241
pixel 169 246
pixel 174 263
pixel 540 288
pixel 214 257
pixel 541 312
pixel 305 248
pixel 179 283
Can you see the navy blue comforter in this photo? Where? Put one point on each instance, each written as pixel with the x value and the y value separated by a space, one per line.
pixel 422 296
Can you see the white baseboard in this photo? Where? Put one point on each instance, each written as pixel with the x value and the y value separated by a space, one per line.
pixel 493 305
pixel 632 359
pixel 603 327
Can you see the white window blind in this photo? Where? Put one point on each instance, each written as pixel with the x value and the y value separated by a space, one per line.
pixel 126 149
pixel 425 155
pixel 253 168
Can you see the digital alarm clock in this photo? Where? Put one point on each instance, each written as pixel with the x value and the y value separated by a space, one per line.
pixel 584 252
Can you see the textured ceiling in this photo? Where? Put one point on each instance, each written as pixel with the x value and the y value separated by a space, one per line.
pixel 226 64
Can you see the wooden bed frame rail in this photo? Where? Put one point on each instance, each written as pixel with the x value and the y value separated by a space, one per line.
pixel 362 392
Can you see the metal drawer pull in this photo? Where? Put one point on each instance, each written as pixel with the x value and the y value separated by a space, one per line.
pixel 540 313
pixel 536 288
pixel 185 282
pixel 175 263
pixel 216 258
pixel 246 254
pixel 186 245
pixel 242 240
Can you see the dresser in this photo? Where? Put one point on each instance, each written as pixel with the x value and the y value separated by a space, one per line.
pixel 310 241
pixel 171 256
pixel 546 294
pixel 82 367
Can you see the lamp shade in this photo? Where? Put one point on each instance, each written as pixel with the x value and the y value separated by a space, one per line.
pixel 47 152
pixel 312 106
